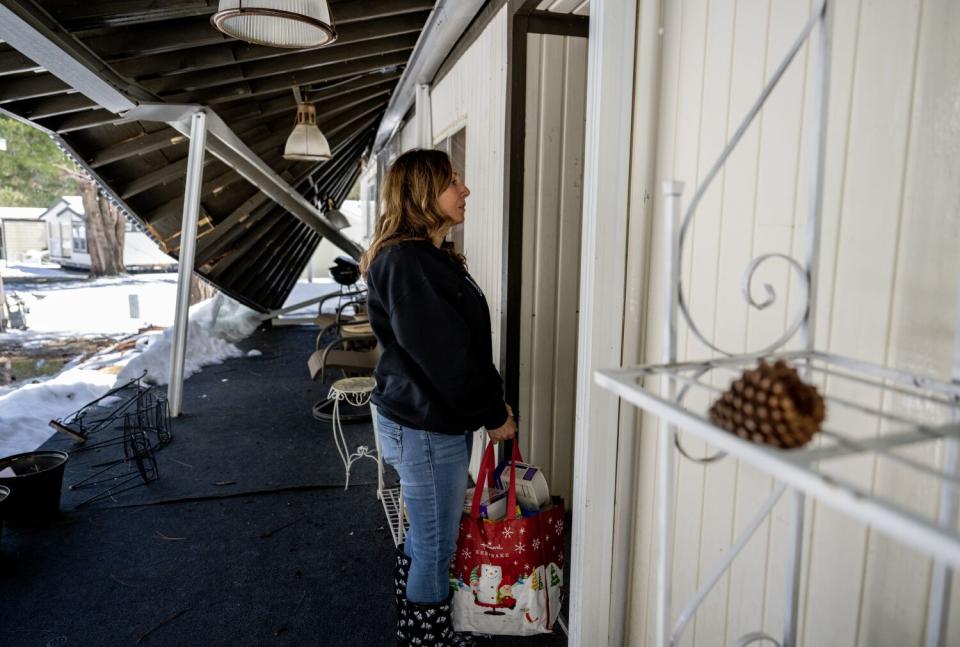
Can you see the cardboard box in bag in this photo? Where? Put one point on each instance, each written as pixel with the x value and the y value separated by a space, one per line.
pixel 532 490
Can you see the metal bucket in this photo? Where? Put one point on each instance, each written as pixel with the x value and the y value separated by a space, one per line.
pixel 34 486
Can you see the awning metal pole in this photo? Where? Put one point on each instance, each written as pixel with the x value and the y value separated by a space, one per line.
pixel 188 245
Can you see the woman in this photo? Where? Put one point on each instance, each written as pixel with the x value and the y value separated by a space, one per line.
pixel 436 380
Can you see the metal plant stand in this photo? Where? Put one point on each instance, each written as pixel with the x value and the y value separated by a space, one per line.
pixel 355 391
pixel 854 391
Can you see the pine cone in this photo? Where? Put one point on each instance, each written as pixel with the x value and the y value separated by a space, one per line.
pixel 770 404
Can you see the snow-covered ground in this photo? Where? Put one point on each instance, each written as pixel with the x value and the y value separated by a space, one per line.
pixel 119 307
pixel 116 305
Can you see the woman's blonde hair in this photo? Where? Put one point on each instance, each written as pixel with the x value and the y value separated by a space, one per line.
pixel 409 201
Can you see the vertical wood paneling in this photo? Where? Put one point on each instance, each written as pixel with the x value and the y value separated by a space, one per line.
pixel 889 268
pixel 918 321
pixel 474 93
pixel 556 83
pixel 568 265
pixel 879 132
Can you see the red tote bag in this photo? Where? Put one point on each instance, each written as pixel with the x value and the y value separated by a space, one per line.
pixel 507 575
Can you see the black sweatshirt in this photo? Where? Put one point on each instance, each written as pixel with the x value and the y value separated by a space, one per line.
pixel 436 370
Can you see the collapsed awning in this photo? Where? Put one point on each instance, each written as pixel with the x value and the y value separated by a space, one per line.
pixel 103 77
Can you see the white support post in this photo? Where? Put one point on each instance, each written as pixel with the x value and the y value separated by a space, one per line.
pixel 188 243
pixel 665 454
pixel 424 117
pixel 603 254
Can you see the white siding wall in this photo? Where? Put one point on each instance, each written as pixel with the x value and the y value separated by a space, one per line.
pixel 888 285
pixel 473 93
pixel 408 135
pixel 553 200
pixel 20 237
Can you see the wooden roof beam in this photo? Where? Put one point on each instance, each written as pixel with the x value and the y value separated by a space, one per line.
pixel 78 16
pixel 140 145
pixel 254 108
pixel 237 91
pixel 13 62
pixel 190 81
pixel 230 53
pixel 31 87
pixel 106 14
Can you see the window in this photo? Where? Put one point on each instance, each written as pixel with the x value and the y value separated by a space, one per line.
pixel 456 147
pixel 79 238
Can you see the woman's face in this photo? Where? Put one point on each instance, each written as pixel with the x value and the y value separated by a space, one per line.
pixel 453 200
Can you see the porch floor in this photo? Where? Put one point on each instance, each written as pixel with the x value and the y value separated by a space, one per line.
pixel 247 538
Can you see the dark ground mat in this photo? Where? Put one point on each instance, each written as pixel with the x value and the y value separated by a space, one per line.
pixel 247 538
pixel 247 426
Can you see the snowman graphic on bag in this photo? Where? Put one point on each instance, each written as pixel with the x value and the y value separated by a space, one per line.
pixel 489 591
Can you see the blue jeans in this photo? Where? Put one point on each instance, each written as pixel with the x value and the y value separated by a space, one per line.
pixel 433 473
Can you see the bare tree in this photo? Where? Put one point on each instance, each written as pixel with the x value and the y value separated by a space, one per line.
pixel 105 231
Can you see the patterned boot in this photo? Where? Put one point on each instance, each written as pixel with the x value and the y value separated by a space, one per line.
pixel 430 625
pixel 400 573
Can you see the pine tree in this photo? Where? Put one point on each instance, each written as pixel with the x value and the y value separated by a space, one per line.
pixel 33 171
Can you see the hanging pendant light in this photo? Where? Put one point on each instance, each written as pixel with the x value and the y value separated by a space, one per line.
pixel 295 24
pixel 306 142
pixel 335 216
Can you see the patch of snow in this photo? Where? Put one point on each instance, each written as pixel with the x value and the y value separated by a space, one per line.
pixel 74 308
pixel 215 325
pixel 26 411
pixel 253 352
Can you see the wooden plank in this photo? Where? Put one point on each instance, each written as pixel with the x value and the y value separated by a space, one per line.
pixel 233 52
pixel 749 64
pixel 235 91
pixel 189 81
pixel 137 41
pixel 13 62
pixel 31 87
pixel 60 104
pixel 717 500
pixel 139 145
pixel 80 121
pixel 78 16
pixel 531 197
pixel 568 266
pixel 922 318
pixel 689 477
pixel 549 147
pixel 872 200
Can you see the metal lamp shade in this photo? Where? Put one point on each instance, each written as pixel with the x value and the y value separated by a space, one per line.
pixel 337 219
pixel 306 142
pixel 296 24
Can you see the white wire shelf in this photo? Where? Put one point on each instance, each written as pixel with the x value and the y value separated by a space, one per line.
pixel 898 419
pixel 391 498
